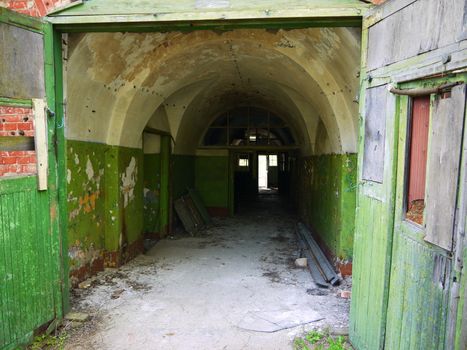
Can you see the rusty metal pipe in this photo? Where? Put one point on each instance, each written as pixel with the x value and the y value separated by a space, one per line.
pixel 423 91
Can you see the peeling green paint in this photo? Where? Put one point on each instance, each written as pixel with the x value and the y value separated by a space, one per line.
pixel 105 201
pixel 85 205
pixel 326 200
pixel 131 194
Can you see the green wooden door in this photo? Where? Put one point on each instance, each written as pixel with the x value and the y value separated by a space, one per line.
pixel 421 271
pixel 30 246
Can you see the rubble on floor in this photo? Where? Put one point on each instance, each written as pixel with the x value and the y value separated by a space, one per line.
pixel 233 286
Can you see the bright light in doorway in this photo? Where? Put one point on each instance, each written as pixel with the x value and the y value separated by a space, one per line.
pixel 243 162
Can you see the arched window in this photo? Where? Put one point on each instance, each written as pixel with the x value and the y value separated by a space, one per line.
pixel 248 126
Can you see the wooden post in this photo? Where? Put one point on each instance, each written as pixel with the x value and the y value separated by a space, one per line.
pixel 40 126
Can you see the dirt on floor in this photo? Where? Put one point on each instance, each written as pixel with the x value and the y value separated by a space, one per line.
pixel 235 286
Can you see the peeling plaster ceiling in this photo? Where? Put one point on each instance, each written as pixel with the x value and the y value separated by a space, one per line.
pixel 118 82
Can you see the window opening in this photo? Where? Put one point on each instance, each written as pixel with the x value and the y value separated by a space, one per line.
pixel 273 160
pixel 243 161
pixel 417 159
pixel 248 126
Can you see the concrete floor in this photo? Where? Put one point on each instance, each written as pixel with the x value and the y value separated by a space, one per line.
pixel 220 290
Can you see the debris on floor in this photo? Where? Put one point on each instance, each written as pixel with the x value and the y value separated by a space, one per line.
pixel 77 316
pixel 320 268
pixel 274 321
pixel 233 286
pixel 198 202
pixel 301 262
pixel 192 212
pixel 346 294
pixel 317 291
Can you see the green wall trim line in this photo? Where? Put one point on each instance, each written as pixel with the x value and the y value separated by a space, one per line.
pixel 12 102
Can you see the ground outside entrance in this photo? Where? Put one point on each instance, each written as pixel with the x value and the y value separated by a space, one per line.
pixel 234 286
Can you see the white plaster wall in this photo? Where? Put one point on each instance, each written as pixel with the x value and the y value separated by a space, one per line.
pixel 118 83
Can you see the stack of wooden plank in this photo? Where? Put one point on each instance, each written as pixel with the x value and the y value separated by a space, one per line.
pixel 191 211
pixel 320 268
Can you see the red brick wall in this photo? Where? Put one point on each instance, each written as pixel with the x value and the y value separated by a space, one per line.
pixel 14 122
pixel 36 8
pixel 20 121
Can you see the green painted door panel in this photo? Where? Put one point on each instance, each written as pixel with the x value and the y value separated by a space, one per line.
pixel 420 280
pixel 28 260
pixel 370 273
pixel 418 295
pixel 31 272
pixel 374 216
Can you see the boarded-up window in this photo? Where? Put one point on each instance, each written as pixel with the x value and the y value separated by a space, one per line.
pixel 443 166
pixel 418 149
pixel 21 63
pixel 375 131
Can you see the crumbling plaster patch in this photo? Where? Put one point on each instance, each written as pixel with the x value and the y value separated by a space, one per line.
pixel 129 178
pixel 134 74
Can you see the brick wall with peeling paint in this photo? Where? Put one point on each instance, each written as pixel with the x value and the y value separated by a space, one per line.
pixel 15 122
pixel 35 8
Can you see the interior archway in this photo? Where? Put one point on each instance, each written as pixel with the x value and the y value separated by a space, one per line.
pixel 146 99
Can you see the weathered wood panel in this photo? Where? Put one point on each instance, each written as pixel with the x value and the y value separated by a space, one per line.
pixel 21 63
pixel 420 27
pixel 417 298
pixel 41 143
pixel 443 167
pixel 369 288
pixel 27 266
pixel 375 133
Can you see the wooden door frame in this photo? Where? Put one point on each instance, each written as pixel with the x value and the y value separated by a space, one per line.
pixel 56 178
pixel 402 154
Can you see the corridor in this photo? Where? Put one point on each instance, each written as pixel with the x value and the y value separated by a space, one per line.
pixel 234 286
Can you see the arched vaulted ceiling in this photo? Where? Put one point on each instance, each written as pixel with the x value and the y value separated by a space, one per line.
pixel 307 76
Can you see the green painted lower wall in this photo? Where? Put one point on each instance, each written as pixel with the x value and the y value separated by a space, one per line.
pixel 152 186
pixel 212 180
pixel 183 174
pixel 326 200
pixel 86 205
pixel 105 205
pixel 131 194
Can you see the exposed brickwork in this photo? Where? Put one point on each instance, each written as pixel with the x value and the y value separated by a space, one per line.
pixel 36 8
pixel 14 122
